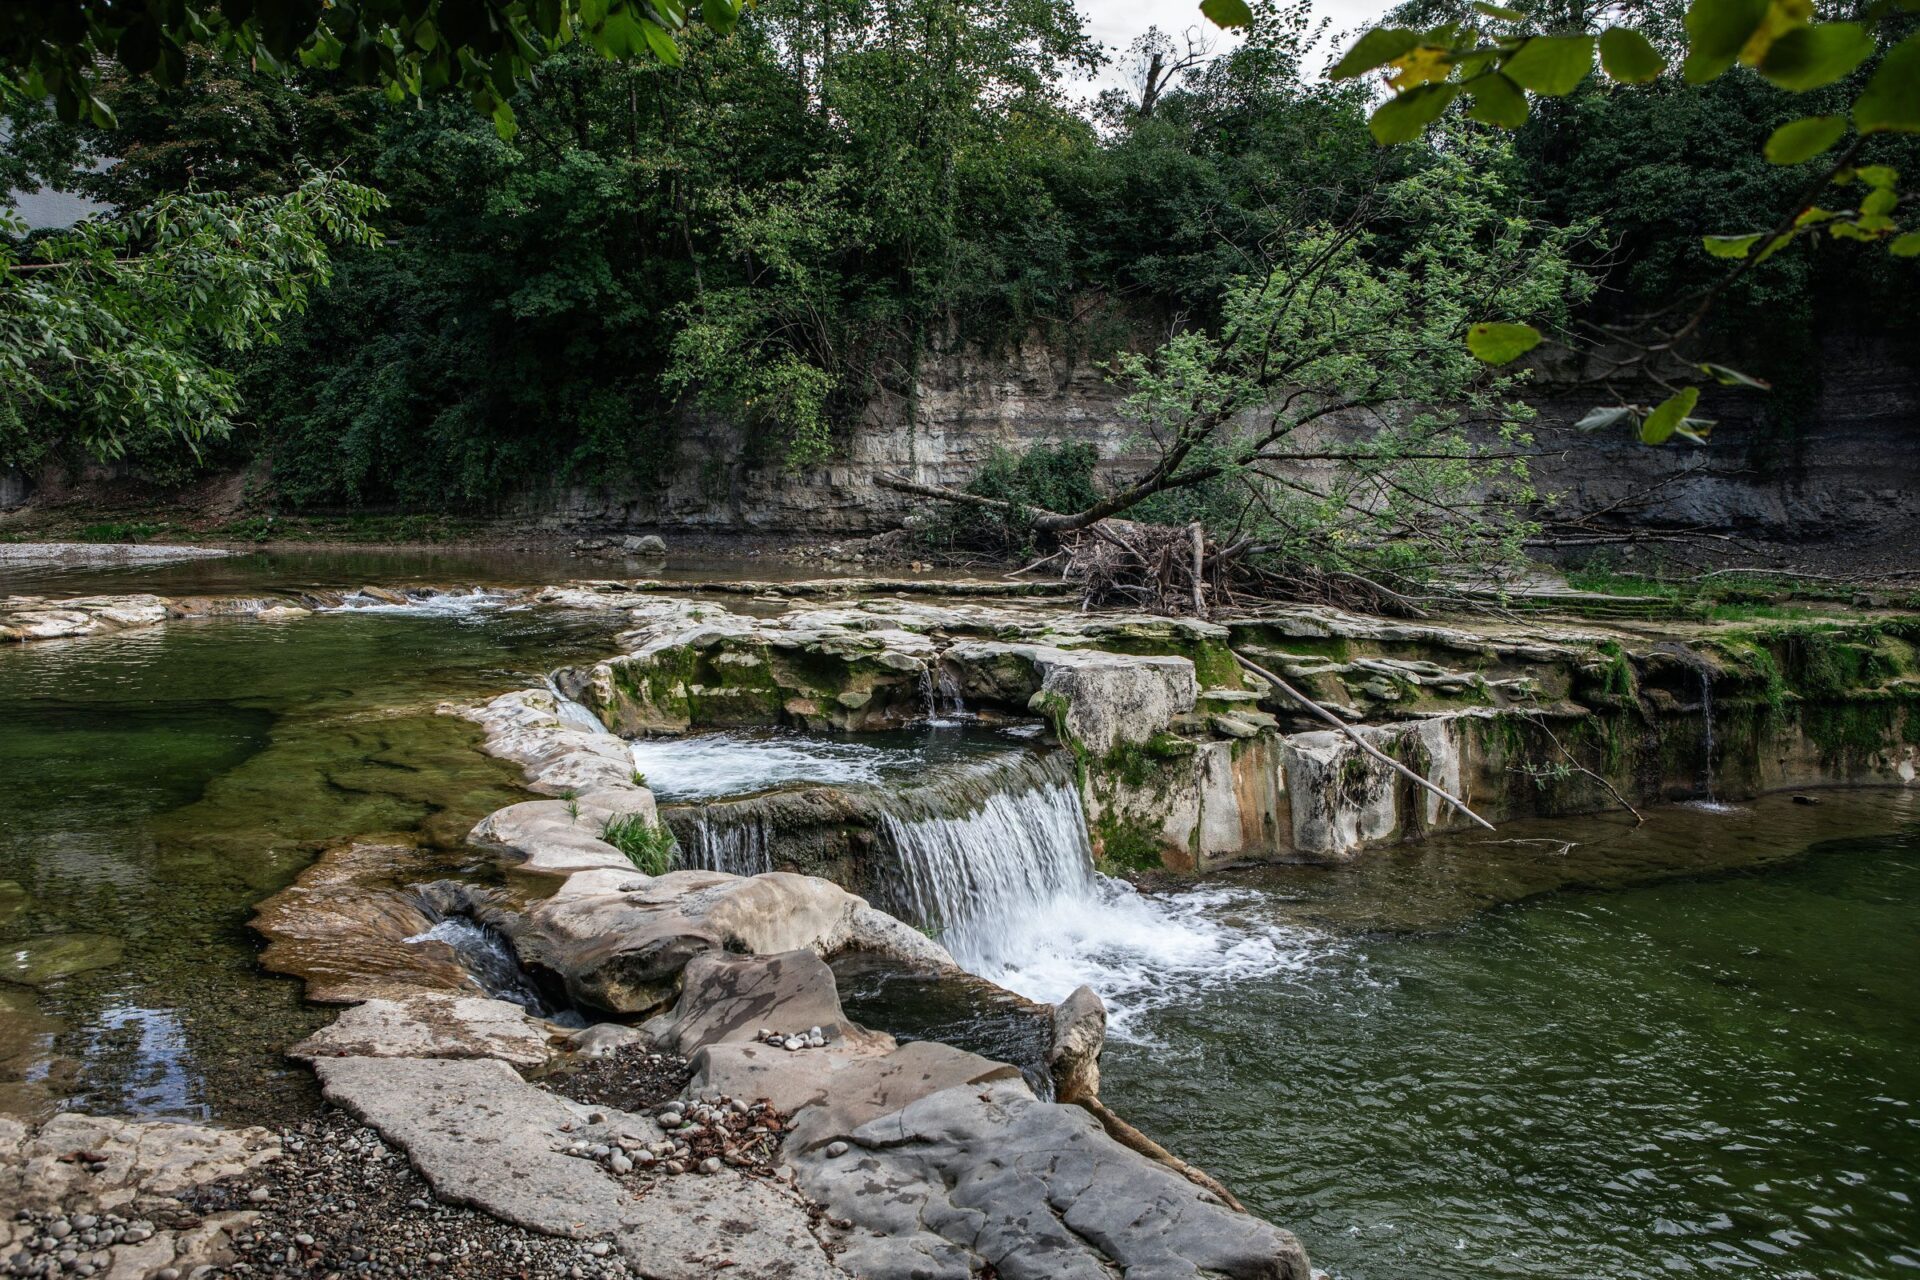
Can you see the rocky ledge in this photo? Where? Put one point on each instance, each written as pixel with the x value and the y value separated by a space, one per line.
pixel 802 1144
pixel 25 619
pixel 726 1116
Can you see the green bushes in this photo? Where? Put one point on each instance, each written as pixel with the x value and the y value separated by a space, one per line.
pixel 1049 477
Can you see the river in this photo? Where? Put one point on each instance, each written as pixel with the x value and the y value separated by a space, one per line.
pixel 1578 1049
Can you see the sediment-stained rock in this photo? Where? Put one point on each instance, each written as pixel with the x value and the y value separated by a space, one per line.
pixel 346 927
pixel 432 1025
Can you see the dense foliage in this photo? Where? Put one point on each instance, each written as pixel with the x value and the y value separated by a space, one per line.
pixel 1838 95
pixel 779 227
pixel 110 333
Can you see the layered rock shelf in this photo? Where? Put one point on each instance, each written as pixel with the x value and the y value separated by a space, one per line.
pixel 1189 762
pixel 895 1159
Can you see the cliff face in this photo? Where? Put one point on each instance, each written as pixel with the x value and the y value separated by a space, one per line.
pixel 1850 472
pixel 967 404
pixel 1848 475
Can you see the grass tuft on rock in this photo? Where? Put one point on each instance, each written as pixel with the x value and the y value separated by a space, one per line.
pixel 647 844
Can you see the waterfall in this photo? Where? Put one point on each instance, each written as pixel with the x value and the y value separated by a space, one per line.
pixel 571 713
pixel 998 866
pixel 975 875
pixel 940 700
pixel 741 848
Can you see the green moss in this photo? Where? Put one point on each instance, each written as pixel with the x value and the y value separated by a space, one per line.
pixel 1214 666
pixel 1127 844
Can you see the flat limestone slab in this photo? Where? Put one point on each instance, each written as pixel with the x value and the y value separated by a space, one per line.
pixel 136 1158
pixel 431 1026
pixel 482 1136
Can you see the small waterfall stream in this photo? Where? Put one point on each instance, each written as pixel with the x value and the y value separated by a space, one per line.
pixel 737 848
pixel 486 954
pixel 998 866
pixel 571 713
pixel 1706 723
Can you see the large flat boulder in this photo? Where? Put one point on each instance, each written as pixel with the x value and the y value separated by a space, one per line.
pixel 1100 700
pixel 619 939
pixel 481 1136
pixel 972 1177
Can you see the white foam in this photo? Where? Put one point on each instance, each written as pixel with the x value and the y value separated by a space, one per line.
pixel 1010 888
pixel 710 765
pixel 454 604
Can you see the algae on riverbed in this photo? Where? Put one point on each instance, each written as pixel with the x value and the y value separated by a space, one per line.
pixel 161 782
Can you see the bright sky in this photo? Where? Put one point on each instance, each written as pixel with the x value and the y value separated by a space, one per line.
pixel 1115 23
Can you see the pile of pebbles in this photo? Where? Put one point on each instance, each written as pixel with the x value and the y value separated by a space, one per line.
pixel 702 1136
pixel 340 1203
pixel 811 1038
pixel 59 1244
pixel 718 1132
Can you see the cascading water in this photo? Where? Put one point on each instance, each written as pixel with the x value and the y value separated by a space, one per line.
pixel 489 958
pixel 1706 722
pixel 571 713
pixel 738 848
pixel 1002 873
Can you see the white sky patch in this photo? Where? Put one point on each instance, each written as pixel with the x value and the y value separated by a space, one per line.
pixel 1115 23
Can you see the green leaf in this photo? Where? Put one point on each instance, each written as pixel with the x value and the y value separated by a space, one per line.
pixel 1600 419
pixel 1502 343
pixel 1495 11
pixel 1734 378
pixel 504 123
pixel 1405 117
pixel 721 15
pixel 1496 100
pixel 1630 57
pixel 1801 140
pixel 660 42
pixel 1906 246
pixel 1659 425
pixel 1891 101
pixel 1716 32
pixel 1878 176
pixel 1551 65
pixel 1808 57
pixel 1375 49
pixel 1879 201
pixel 1731 246
pixel 1227 13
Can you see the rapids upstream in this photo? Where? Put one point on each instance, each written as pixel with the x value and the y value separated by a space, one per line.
pixel 1577 1049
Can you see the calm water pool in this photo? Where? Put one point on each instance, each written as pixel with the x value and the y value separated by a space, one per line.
pixel 160 782
pixel 1715 1073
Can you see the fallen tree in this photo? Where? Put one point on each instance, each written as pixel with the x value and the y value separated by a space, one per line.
pixel 1303 438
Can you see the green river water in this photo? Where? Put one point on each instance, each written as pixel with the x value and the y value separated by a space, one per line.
pixel 1692 1049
